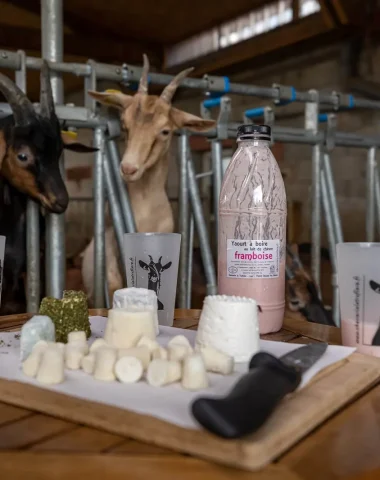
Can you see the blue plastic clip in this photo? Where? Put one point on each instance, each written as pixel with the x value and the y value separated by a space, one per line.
pixel 322 117
pixel 292 98
pixel 351 101
pixel 212 102
pixel 254 112
pixel 226 85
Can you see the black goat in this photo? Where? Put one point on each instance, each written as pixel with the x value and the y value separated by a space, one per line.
pixel 31 145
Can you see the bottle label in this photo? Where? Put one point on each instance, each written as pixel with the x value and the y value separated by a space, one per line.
pixel 253 258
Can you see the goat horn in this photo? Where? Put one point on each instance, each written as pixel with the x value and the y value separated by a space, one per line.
pixel 20 104
pixel 171 88
pixel 143 85
pixel 46 94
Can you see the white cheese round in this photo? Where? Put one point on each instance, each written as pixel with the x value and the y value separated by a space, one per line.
pixel 230 324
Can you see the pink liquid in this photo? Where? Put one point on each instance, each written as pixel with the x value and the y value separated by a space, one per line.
pixel 252 232
pixel 349 337
pixel 269 294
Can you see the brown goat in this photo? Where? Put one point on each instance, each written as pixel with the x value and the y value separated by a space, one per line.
pixel 149 122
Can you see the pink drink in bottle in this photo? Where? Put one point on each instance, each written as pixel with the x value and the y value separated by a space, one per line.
pixel 252 227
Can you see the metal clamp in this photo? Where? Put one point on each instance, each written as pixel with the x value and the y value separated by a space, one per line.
pixel 285 94
pixel 113 127
pixel 331 122
pixel 312 112
pixel 223 117
pixel 131 76
pixel 343 100
pixel 217 84
pixel 90 84
pixel 267 113
pixel 224 113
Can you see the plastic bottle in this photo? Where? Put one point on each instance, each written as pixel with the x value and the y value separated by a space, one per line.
pixel 252 227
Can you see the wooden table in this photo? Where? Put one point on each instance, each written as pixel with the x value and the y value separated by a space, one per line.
pixel 37 446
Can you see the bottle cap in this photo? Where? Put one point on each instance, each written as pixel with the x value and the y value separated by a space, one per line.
pixel 261 131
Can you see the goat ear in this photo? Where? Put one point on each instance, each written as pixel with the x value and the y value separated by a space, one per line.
pixel 69 140
pixel 186 120
pixel 165 267
pixel 112 98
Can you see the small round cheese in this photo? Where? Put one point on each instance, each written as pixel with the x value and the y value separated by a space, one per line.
pixel 129 369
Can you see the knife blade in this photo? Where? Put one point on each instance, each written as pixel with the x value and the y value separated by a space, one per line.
pixel 257 393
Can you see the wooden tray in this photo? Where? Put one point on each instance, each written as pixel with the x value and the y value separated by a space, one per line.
pixel 294 419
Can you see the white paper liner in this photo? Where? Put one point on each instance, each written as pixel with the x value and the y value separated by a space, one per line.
pixel 170 403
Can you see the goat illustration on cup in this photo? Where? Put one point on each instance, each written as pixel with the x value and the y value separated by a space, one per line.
pixel 376 288
pixel 155 270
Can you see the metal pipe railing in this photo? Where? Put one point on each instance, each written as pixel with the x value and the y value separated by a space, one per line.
pixel 331 193
pixel 99 224
pixel 126 209
pixel 130 73
pixel 183 215
pixel 113 201
pixel 32 227
pixel 52 50
pixel 200 225
pixel 370 193
pixel 332 245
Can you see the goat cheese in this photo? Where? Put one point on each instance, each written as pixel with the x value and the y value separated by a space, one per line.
pixel 125 327
pixel 163 372
pixel 39 327
pixel 105 359
pixel 229 324
pixel 137 299
pixel 194 374
pixel 51 370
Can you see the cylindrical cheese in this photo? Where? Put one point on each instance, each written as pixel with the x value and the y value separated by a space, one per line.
pixel 105 359
pixel 31 364
pixel 137 299
pixel 194 375
pixel 127 327
pixel 99 342
pixel 51 370
pixel 163 372
pixel 73 356
pixel 142 353
pixel 88 363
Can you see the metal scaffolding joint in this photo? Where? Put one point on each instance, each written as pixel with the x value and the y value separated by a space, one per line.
pixel 285 94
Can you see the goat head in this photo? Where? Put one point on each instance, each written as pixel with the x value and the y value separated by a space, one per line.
pixel 149 122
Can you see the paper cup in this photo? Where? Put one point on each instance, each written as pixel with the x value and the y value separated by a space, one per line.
pixel 359 295
pixel 151 261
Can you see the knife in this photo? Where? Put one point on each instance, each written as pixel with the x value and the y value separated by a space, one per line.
pixel 256 394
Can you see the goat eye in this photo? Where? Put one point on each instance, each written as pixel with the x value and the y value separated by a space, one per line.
pixel 165 132
pixel 22 157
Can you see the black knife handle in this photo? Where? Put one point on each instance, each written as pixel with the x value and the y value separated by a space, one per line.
pixel 251 400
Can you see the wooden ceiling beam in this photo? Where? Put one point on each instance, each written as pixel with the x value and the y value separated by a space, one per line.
pixel 326 14
pixel 286 36
pixel 341 11
pixel 98 48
